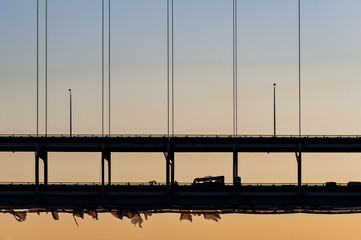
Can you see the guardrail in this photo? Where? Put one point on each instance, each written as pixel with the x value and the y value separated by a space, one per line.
pixel 179 184
pixel 175 136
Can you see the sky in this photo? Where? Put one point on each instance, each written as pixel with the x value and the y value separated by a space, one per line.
pixel 267 54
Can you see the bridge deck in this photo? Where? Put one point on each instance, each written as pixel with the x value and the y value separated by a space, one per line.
pixel 184 143
pixel 202 197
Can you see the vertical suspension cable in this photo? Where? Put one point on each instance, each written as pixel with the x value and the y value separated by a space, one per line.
pixel 172 69
pixel 102 68
pixel 46 67
pixel 37 68
pixel 235 87
pixel 299 68
pixel 236 68
pixel 168 110
pixel 109 65
pixel 299 158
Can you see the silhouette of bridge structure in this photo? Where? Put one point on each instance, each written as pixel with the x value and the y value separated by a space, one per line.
pixel 171 195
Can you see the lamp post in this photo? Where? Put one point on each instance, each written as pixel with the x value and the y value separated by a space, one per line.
pixel 70 115
pixel 274 109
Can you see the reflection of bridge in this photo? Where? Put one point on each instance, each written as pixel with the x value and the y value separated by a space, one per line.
pixel 171 195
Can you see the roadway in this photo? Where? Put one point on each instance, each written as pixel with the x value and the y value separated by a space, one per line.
pixel 278 198
pixel 179 143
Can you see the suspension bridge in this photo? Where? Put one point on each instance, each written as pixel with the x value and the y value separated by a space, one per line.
pixel 171 195
pixel 206 196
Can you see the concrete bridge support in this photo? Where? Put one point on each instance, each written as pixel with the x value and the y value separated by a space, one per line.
pixel 299 172
pixel 169 157
pixel 236 178
pixel 43 156
pixel 106 156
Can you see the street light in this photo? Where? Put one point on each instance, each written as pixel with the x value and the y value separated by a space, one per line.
pixel 70 112
pixel 274 109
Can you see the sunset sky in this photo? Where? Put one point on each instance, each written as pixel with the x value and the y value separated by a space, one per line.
pixel 267 53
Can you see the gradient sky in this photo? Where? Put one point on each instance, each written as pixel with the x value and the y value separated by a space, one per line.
pixel 267 53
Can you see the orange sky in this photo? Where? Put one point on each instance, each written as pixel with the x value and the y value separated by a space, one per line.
pixel 168 226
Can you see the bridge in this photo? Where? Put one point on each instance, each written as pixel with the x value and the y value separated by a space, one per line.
pixel 42 144
pixel 172 196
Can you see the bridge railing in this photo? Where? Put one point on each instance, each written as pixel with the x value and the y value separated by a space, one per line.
pixel 175 136
pixel 163 184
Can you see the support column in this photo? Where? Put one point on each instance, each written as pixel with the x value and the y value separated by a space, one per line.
pixel 236 178
pixel 37 171
pixel 102 163
pixel 43 156
pixel 167 169
pixel 299 172
pixel 106 157
pixel 109 171
pixel 171 164
pixel 45 161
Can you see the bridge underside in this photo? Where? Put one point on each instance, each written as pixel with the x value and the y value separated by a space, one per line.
pixel 201 199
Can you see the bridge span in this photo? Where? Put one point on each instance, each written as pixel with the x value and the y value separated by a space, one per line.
pixel 180 143
pixel 171 196
pixel 42 144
